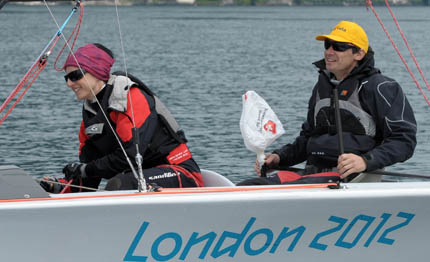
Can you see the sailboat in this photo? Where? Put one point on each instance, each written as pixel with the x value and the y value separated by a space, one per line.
pixel 219 222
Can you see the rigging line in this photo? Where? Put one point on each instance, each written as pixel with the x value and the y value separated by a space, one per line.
pixel 407 44
pixel 67 186
pixel 70 185
pixel 75 32
pixel 125 61
pixel 139 176
pixel 369 3
pixel 42 56
pixel 31 74
pixel 95 98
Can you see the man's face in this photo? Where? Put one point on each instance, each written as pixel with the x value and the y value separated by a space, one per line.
pixel 343 61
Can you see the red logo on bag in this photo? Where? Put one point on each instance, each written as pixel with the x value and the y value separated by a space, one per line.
pixel 270 126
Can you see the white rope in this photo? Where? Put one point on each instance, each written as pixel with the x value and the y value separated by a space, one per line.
pixel 94 95
pixel 124 58
pixel 140 178
pixel 64 184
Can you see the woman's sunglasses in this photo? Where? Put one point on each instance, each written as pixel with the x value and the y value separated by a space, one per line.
pixel 75 75
pixel 339 46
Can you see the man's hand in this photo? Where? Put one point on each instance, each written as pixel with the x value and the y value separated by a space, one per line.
pixel 74 171
pixel 348 164
pixel 270 160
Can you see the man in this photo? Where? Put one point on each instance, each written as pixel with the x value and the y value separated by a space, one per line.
pixel 118 112
pixel 377 121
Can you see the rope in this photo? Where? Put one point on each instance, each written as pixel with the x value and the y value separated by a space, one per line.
pixel 125 61
pixel 67 187
pixel 68 184
pixel 28 80
pixel 75 32
pixel 407 44
pixel 41 62
pixel 95 97
pixel 139 176
pixel 34 71
pixel 369 4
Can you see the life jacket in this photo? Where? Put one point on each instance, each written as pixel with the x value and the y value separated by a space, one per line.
pixel 354 118
pixel 163 113
pixel 358 126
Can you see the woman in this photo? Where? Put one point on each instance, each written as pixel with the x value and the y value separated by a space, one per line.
pixel 119 109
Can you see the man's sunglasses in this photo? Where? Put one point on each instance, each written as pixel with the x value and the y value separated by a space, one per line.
pixel 339 46
pixel 75 75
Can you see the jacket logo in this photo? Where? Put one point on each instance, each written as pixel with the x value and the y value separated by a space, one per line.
pixel 270 126
pixel 344 92
pixel 95 129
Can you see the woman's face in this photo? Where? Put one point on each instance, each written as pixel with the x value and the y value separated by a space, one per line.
pixel 85 86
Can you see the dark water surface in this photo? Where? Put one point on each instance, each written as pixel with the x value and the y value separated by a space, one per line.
pixel 199 60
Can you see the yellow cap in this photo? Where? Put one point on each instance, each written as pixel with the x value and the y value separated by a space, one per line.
pixel 348 32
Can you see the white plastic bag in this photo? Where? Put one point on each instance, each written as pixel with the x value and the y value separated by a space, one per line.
pixel 259 125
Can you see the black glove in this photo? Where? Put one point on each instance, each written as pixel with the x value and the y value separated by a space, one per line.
pixel 74 171
pixel 47 184
pixel 264 169
pixel 154 187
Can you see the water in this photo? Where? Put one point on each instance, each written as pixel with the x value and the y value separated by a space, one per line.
pixel 199 60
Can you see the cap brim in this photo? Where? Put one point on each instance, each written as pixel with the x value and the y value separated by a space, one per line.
pixel 331 37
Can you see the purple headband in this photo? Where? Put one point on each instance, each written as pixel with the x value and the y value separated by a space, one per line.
pixel 93 60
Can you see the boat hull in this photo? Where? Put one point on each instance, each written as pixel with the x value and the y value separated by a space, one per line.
pixel 293 223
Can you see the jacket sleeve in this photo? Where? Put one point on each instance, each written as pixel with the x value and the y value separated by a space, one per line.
pixel 145 119
pixel 396 127
pixel 295 153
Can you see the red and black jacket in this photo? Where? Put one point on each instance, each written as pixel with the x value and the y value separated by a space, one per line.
pixel 158 145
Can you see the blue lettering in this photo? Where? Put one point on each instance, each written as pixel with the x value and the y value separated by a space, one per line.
pixel 383 239
pixel 168 246
pixel 385 218
pixel 233 248
pixel 340 220
pixel 269 238
pixel 284 234
pixel 129 257
pixel 154 249
pixel 341 243
pixel 194 240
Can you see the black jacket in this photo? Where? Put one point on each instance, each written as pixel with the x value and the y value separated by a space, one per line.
pixel 394 136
